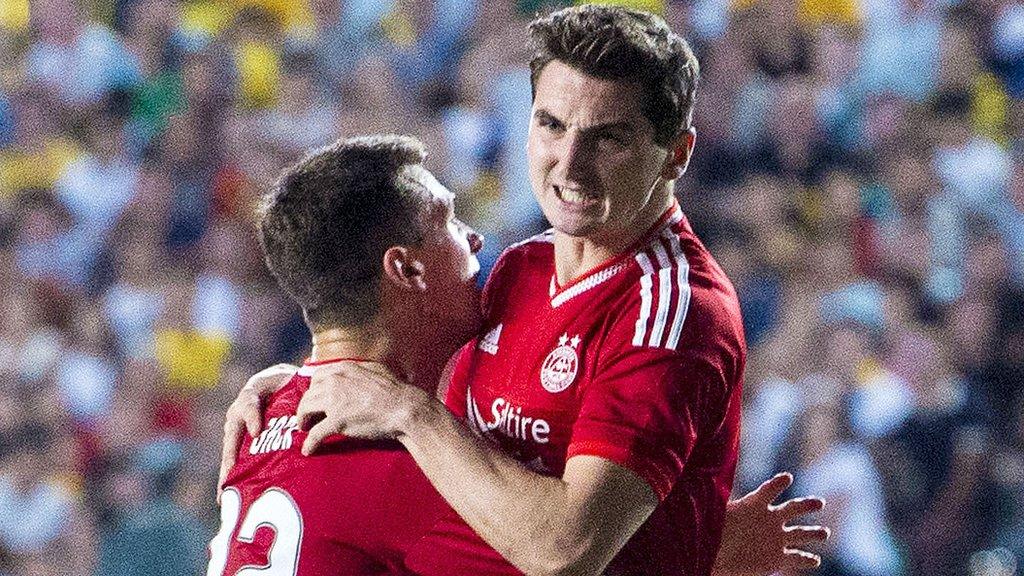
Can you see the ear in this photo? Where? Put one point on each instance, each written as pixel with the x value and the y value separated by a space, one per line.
pixel 403 270
pixel 680 151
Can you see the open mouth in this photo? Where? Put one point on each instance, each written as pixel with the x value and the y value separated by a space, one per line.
pixel 574 196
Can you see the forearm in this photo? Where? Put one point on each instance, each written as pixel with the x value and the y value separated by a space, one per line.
pixel 528 518
pixel 569 525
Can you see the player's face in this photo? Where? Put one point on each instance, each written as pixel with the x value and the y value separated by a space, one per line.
pixel 593 159
pixel 451 268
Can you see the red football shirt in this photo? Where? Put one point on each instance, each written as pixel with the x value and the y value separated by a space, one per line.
pixel 353 508
pixel 640 362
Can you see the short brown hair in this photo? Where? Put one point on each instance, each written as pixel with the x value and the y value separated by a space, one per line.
pixel 617 43
pixel 325 225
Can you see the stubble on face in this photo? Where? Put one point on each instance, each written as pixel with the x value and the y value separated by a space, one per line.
pixel 593 161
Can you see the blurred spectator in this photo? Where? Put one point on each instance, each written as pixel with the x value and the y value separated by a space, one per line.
pixel 305 119
pixel 95 188
pixel 191 357
pixel 134 297
pixel 41 520
pixel 77 61
pixel 155 535
pixel 34 512
pixel 86 375
pixel 901 48
pixel 39 151
pixel 839 469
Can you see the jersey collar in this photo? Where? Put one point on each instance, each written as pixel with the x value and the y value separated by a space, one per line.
pixel 310 366
pixel 609 268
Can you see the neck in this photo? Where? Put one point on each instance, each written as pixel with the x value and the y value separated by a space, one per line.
pixel 406 357
pixel 575 256
pixel 362 342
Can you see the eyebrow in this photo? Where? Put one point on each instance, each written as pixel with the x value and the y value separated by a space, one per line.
pixel 615 125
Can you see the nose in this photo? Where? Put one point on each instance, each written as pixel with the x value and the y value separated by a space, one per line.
pixel 476 241
pixel 575 159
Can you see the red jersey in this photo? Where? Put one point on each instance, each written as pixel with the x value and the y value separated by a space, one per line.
pixel 353 508
pixel 640 362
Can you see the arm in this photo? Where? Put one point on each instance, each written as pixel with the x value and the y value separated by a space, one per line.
pixel 542 525
pixel 756 539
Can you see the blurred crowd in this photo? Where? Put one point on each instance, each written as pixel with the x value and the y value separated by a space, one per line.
pixel 859 174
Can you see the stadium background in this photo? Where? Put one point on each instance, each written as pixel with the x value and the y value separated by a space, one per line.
pixel 859 174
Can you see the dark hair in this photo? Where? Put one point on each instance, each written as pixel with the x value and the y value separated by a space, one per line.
pixel 616 43
pixel 327 222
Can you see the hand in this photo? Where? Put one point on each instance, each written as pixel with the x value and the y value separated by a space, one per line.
pixel 246 413
pixel 360 399
pixel 756 539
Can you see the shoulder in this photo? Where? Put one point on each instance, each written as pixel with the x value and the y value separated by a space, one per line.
pixel 286 399
pixel 523 262
pixel 676 294
pixel 715 321
pixel 535 248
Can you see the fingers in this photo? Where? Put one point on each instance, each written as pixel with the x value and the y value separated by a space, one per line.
pixel 799 560
pixel 770 489
pixel 317 434
pixel 270 380
pixel 245 415
pixel 373 367
pixel 800 535
pixel 246 410
pixel 310 410
pixel 253 421
pixel 325 376
pixel 229 451
pixel 799 506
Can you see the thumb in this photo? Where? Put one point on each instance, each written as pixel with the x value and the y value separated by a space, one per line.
pixel 229 452
pixel 253 422
pixel 316 435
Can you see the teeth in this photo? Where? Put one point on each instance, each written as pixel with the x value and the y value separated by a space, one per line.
pixel 572 196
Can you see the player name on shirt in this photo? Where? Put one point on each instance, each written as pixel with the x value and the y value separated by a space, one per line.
pixel 276 436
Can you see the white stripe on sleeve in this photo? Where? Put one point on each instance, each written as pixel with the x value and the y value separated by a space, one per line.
pixel 683 303
pixel 664 295
pixel 645 298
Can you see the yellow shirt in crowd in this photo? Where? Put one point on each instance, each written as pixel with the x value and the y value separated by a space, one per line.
pixel 190 358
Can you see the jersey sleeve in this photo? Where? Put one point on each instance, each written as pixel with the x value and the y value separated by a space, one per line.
pixel 645 410
pixel 493 294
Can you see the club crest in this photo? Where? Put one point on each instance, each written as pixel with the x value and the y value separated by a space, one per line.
pixel 559 369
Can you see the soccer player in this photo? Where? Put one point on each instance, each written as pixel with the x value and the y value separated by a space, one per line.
pixel 365 240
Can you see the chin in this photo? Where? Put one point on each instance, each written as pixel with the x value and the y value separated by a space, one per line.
pixel 578 225
pixel 576 229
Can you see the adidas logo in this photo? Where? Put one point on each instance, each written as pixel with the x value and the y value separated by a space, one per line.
pixel 489 343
